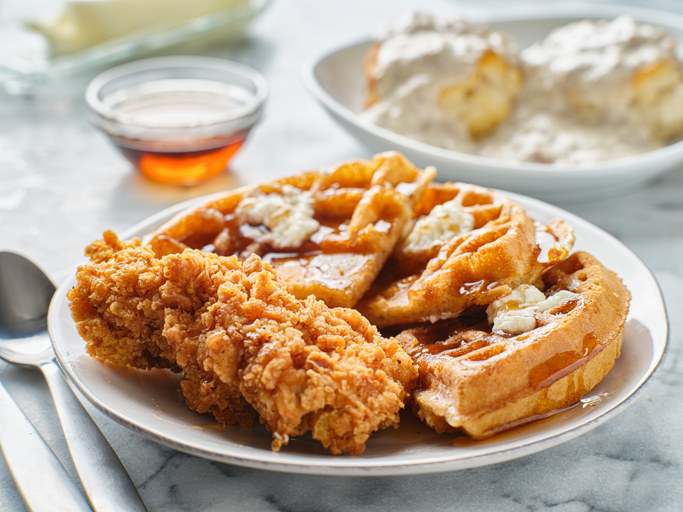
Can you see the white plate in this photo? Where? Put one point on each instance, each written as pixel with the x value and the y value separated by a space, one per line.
pixel 150 402
pixel 335 79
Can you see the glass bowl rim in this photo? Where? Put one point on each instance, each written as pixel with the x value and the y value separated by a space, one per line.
pixel 110 114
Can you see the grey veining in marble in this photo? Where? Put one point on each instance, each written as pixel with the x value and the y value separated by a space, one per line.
pixel 62 184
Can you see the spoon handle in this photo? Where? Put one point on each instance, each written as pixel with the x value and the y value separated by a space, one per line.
pixel 40 477
pixel 104 478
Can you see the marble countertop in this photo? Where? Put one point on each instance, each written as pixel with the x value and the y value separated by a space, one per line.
pixel 62 184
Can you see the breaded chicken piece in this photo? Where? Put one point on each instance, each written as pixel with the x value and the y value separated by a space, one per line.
pixel 126 308
pixel 241 338
pixel 117 305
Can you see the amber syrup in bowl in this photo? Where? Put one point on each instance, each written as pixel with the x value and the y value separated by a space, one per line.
pixel 177 119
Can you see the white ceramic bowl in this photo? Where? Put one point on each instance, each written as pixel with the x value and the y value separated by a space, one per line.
pixel 335 79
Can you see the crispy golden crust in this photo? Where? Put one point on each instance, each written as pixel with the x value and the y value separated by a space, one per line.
pixel 129 305
pixel 244 341
pixel 311 368
pixel 124 332
pixel 506 248
pixel 482 382
pixel 362 206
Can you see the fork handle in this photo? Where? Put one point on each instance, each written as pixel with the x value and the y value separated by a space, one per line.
pixel 40 477
pixel 105 480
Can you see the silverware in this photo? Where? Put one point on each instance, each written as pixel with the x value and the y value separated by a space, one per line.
pixel 40 477
pixel 25 294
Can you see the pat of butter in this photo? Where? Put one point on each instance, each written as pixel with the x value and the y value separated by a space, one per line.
pixel 288 217
pixel 444 222
pixel 514 313
pixel 82 24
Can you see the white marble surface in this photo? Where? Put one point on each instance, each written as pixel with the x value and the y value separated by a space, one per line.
pixel 61 185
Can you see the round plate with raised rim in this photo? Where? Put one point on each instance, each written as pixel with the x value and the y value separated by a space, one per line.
pixel 149 402
pixel 335 78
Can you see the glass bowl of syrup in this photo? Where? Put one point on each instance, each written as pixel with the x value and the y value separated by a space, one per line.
pixel 179 120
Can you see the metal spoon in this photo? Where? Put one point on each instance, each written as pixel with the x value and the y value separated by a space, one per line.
pixel 25 294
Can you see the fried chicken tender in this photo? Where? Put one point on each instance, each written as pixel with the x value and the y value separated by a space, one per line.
pixel 243 341
pixel 126 308
pixel 117 305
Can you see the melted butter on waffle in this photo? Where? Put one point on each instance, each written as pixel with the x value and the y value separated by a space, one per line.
pixel 326 233
pixel 504 249
pixel 482 381
pixel 440 225
pixel 515 313
pixel 287 218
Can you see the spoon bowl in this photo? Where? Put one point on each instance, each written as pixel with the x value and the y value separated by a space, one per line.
pixel 25 295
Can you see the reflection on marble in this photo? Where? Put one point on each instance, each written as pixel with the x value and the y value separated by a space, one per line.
pixel 61 185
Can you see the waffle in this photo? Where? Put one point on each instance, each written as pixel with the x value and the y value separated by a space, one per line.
pixel 473 76
pixel 425 238
pixel 503 248
pixel 340 225
pixel 484 380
